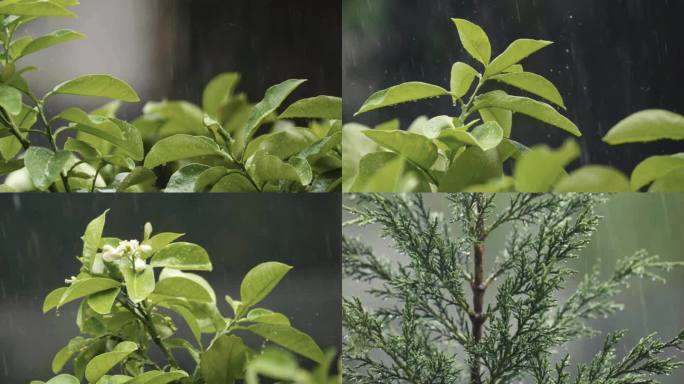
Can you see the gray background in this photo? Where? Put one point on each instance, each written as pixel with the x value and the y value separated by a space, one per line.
pixel 610 59
pixel 40 238
pixel 632 222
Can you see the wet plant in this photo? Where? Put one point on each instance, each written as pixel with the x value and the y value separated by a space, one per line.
pixel 468 151
pixel 451 312
pixel 226 145
pixel 125 314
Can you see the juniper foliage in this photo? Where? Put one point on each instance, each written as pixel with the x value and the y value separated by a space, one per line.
pixel 452 313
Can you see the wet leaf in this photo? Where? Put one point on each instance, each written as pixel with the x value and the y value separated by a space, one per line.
pixel 474 40
pixel 260 281
pixel 401 93
pixel 182 256
pixel 647 126
pixel 97 86
pixel 594 178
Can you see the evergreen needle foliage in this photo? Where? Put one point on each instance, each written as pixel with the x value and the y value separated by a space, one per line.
pixel 455 313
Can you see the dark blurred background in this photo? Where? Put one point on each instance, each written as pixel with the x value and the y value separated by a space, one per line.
pixel 172 48
pixel 610 59
pixel 40 238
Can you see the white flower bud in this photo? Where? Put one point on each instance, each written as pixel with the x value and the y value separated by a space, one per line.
pixel 70 280
pixel 139 265
pixel 145 248
pixel 110 253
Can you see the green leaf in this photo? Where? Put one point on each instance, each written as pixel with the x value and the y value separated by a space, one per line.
pixel 462 76
pixel 190 319
pixel 401 93
pixel 515 52
pixel 485 136
pixel 34 8
pixel 540 168
pixel 264 168
pixel 138 284
pixel 260 281
pixel 224 361
pixel 158 377
pixel 472 167
pixel 474 40
pixel 182 256
pixel 355 145
pixel 120 133
pixel 272 99
pixel 10 99
pixel 282 144
pixel 594 178
pixel 654 168
pixel 532 83
pixel 184 179
pixel 139 179
pixel 218 91
pixel 303 169
pixel 160 240
pixel 87 151
pixel 180 147
pixel 82 288
pixel 417 148
pixel 177 117
pixel 526 106
pixel 290 338
pixel 64 354
pixel 379 172
pixel 176 284
pixel 10 166
pixel 97 86
pixel 673 181
pixel 102 302
pixel 45 166
pixel 99 365
pixel 53 298
pixel 502 116
pixel 234 182
pixel 319 107
pixel 63 379
pixel 52 39
pixel 646 126
pixel 265 316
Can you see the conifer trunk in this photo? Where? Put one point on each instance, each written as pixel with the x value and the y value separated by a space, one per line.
pixel 478 287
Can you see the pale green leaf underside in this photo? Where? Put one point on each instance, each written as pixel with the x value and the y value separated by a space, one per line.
pixel 474 40
pixel 319 107
pixel 594 178
pixel 402 93
pixel 646 126
pixel 98 86
pixel 654 168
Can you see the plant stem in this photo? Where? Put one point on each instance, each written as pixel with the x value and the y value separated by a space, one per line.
pixel 465 109
pixel 142 315
pixel 51 137
pixel 13 128
pixel 478 286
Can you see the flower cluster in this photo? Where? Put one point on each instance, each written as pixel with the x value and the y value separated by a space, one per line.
pixel 128 250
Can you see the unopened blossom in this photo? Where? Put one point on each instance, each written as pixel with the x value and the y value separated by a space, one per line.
pixel 111 254
pixel 70 280
pixel 139 265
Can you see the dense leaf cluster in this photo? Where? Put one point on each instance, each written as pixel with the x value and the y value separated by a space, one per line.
pixel 226 145
pixel 467 152
pixel 450 312
pixel 126 310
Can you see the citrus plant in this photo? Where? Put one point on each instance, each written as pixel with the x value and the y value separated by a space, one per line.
pixel 96 151
pixel 467 151
pixel 452 310
pixel 125 309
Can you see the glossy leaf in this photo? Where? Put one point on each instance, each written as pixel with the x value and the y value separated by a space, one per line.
pixel 594 178
pixel 217 92
pixel 264 168
pixel 176 284
pixel 92 237
pixel 417 148
pixel 290 338
pixel 100 365
pixel 462 76
pixel 540 168
pixel 474 40
pixel 647 126
pixel 10 99
pixel 526 106
pixel 274 96
pixel 379 172
pixel 53 298
pixel 98 86
pixel 184 179
pixel 532 83
pixel 64 354
pixel 234 182
pixel 190 320
pixel 182 256
pixel 82 288
pixel 139 179
pixel 485 136
pixel 52 39
pixel 654 168
pixel 260 281
pixel 319 107
pixel 503 117
pixel 179 147
pixel 34 8
pixel 139 285
pixel 673 181
pixel 160 240
pixel 45 166
pixel 401 93
pixel 472 167
pixel 515 52
pixel 63 379
pixel 158 377
pixel 265 316
pixel 224 361
pixel 103 301
pixel 282 144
